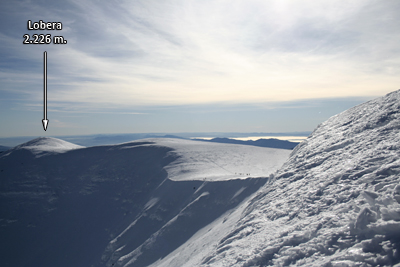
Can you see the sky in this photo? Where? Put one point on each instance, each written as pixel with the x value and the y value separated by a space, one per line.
pixel 194 66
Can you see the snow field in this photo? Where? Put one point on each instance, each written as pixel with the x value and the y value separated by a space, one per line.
pixel 215 162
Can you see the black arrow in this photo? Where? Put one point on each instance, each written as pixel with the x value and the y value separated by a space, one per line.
pixel 45 121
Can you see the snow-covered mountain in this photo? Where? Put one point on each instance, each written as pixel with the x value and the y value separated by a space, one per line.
pixel 133 203
pixel 169 202
pixel 46 145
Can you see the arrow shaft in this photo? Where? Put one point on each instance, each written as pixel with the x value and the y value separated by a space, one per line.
pixel 45 85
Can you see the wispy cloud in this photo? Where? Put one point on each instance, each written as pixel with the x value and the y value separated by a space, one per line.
pixel 182 52
pixel 67 108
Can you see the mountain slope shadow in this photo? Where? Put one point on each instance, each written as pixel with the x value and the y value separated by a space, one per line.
pixel 178 210
pixel 63 209
pixel 102 206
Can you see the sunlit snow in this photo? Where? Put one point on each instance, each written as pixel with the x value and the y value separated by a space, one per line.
pixel 209 161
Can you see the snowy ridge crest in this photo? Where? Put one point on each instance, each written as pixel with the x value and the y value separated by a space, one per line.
pixel 335 202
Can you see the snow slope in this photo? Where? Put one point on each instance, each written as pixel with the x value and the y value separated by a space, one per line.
pixel 198 160
pixel 66 205
pixel 335 202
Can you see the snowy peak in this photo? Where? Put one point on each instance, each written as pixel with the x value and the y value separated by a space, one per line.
pixel 43 145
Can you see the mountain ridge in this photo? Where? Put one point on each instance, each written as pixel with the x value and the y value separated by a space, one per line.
pixel 96 206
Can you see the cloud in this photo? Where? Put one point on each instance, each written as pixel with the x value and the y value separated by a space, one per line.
pixel 59 124
pixel 146 53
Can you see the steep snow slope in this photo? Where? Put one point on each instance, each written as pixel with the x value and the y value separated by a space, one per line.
pixel 335 202
pixel 65 205
pixel 216 173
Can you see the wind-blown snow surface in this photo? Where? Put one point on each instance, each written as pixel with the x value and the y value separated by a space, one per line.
pixel 335 202
pixel 128 204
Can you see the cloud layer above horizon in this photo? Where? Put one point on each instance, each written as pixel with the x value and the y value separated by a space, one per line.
pixel 147 53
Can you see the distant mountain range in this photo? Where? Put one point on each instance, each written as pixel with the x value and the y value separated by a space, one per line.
pixel 112 139
pixel 272 143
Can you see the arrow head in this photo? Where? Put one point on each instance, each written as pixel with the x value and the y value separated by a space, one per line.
pixel 45 123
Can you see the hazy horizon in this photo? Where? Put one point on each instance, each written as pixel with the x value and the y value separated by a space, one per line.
pixel 114 138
